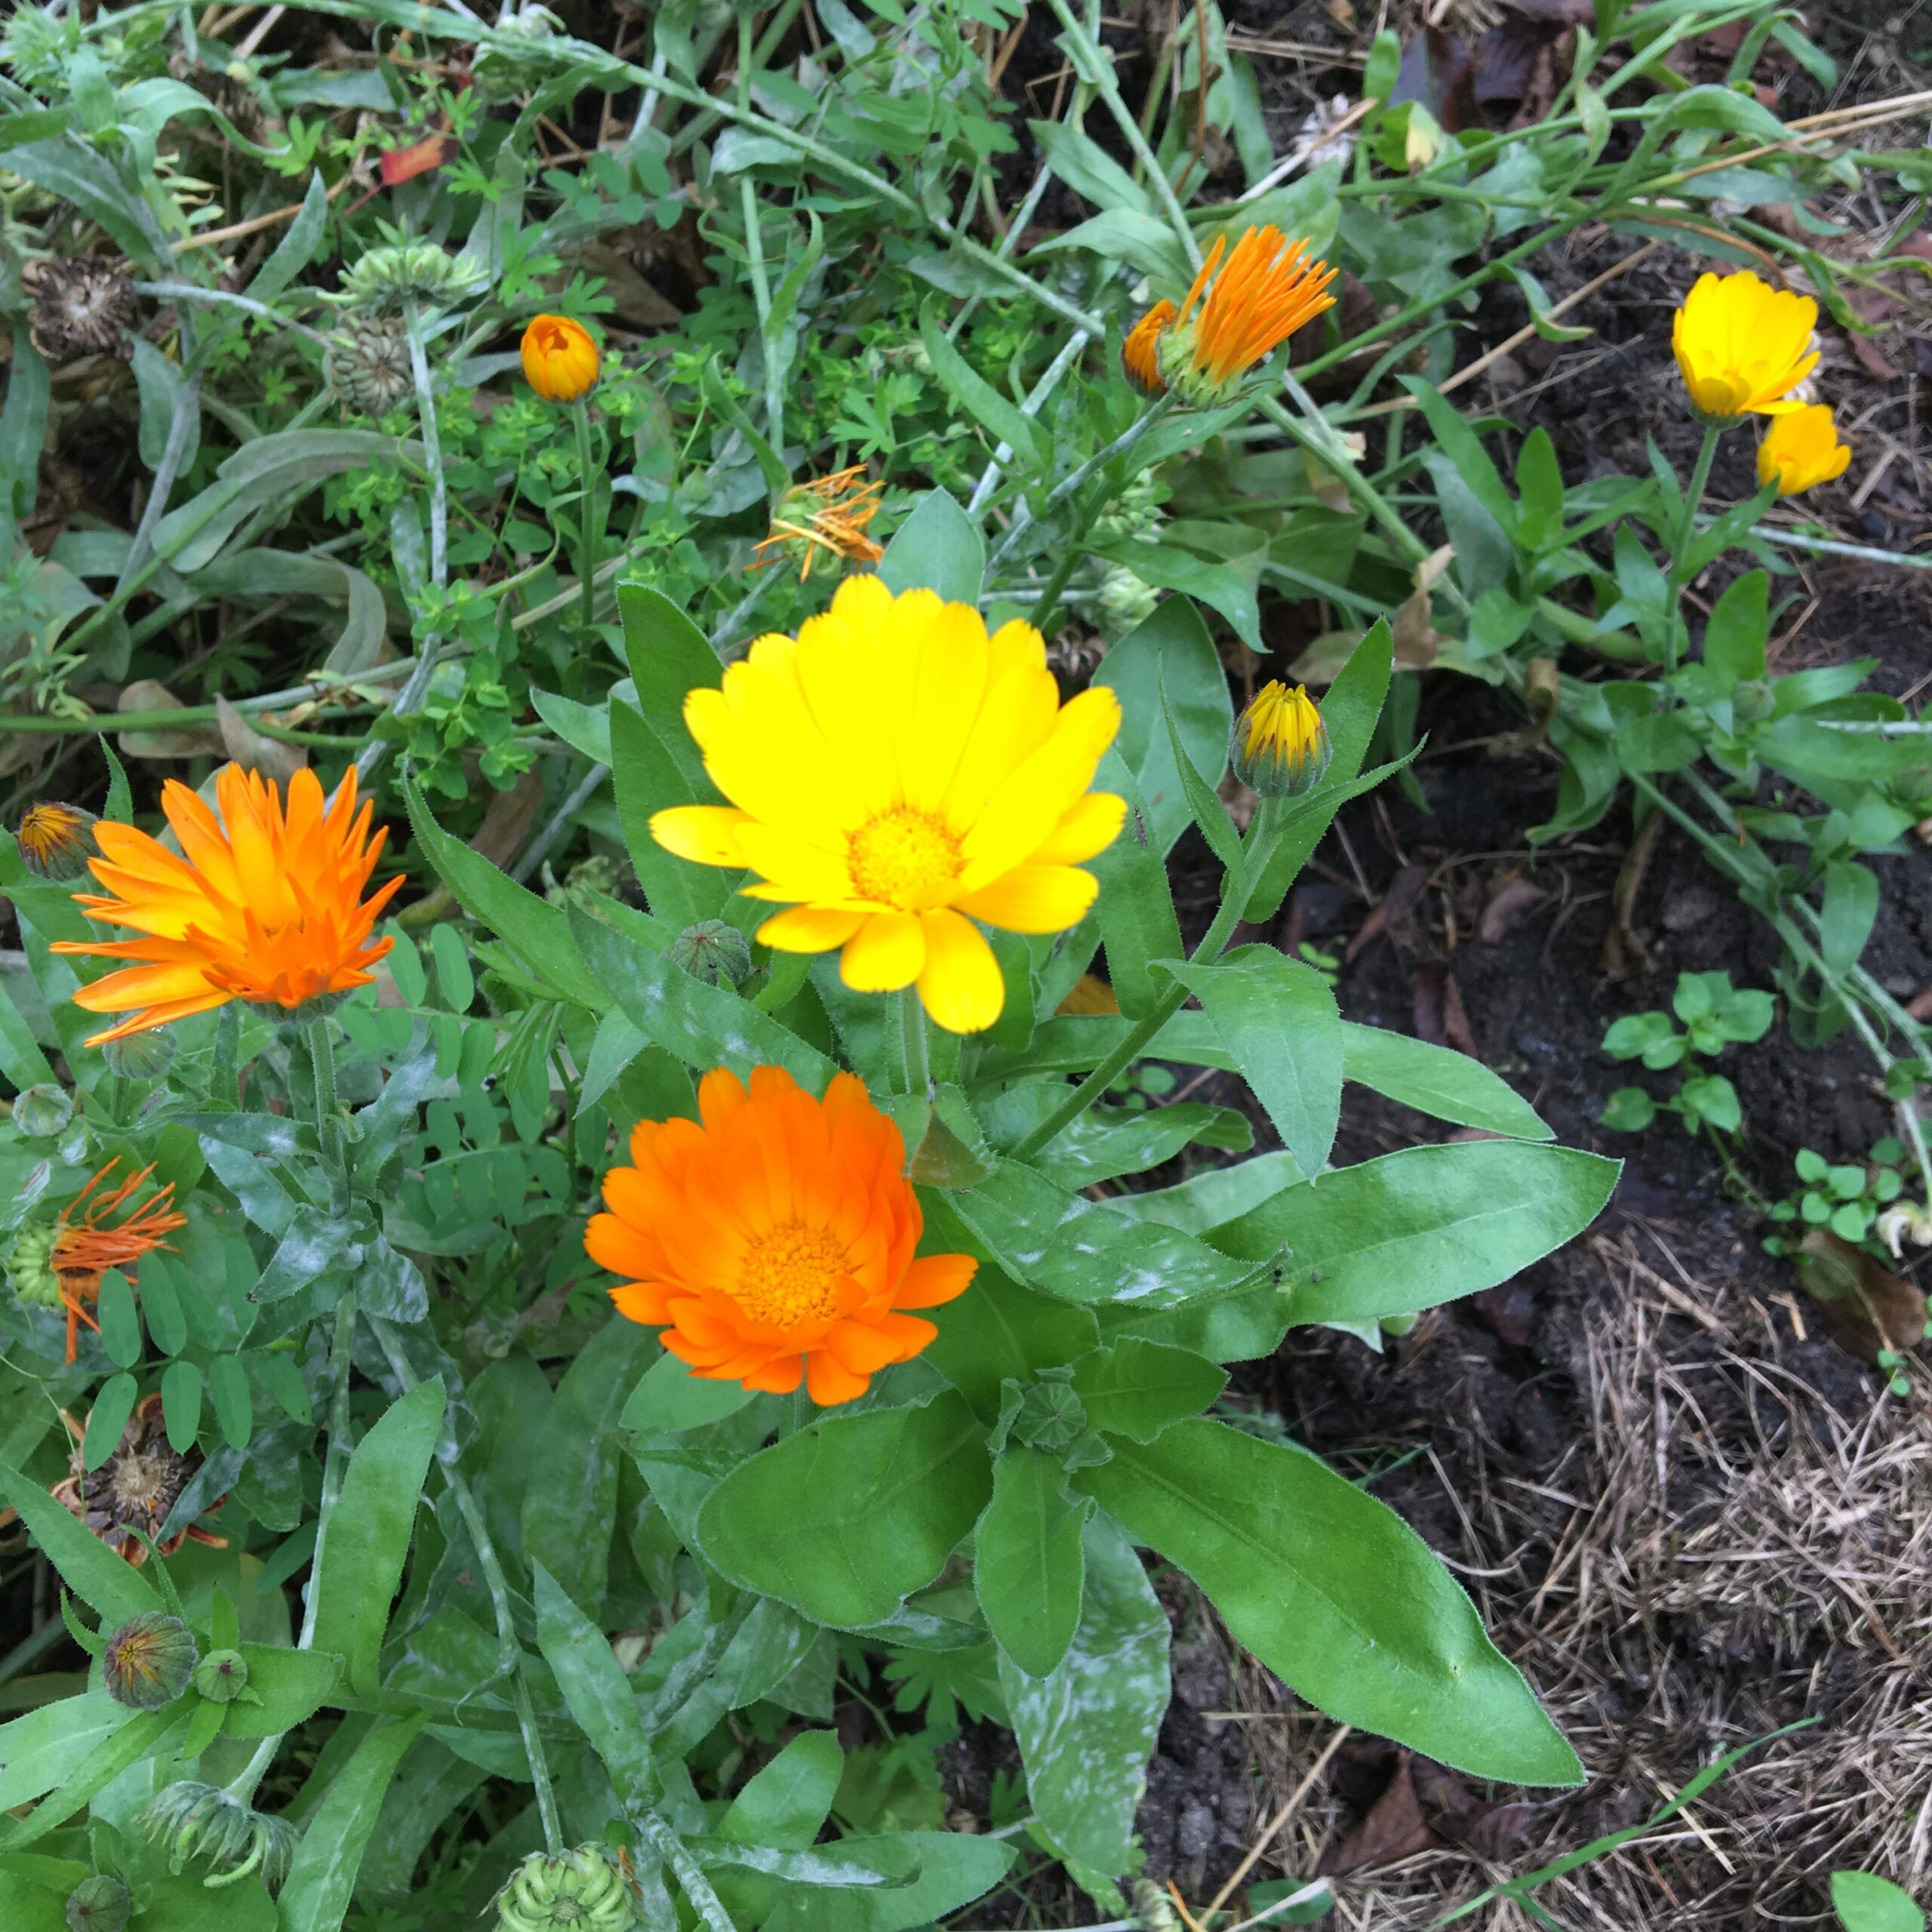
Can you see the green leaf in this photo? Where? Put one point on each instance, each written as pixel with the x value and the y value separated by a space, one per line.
pixel 321 1880
pixel 596 1689
pixel 184 1904
pixel 1866 1902
pixel 567 1514
pixel 364 1541
pixel 1222 584
pixel 1438 1081
pixel 997 1329
pixel 1277 1017
pixel 1628 1110
pixel 285 1688
pixel 1464 450
pixel 1135 905
pixel 847 1517
pixel 1350 711
pixel 181 1404
pixel 1734 637
pixel 234 1402
pixel 1027 1567
pixel 938 547
pixel 670 656
pixel 536 931
pixel 786 1804
pixel 39 1750
pixel 979 402
pixel 113 1404
pixel 1204 802
pixel 670 1397
pixel 111 1754
pixel 1412 1229
pixel 704 1026
pixel 955 1868
pixel 1137 1387
pixel 1333 1593
pixel 120 1321
pixel 1851 908
pixel 1087 1731
pixel 1170 649
pixel 1106 1141
pixel 647 780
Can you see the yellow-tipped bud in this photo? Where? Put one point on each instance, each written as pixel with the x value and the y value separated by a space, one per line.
pixel 560 359
pixel 1801 451
pixel 1280 747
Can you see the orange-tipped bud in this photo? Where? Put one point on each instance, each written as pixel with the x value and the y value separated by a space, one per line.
pixel 560 360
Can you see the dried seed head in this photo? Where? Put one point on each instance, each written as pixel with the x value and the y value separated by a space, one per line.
pixel 368 366
pixel 84 306
pixel 580 1889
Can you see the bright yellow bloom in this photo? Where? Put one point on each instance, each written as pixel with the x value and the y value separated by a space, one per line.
pixel 262 906
pixel 894 774
pixel 775 1241
pixel 827 514
pixel 1801 451
pixel 1269 288
pixel 1742 346
pixel 559 358
pixel 1279 745
pixel 55 840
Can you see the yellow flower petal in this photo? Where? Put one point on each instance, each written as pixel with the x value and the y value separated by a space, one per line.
pixel 1034 899
pixel 886 952
pixel 809 929
pixel 1091 824
pixel 708 834
pixel 960 987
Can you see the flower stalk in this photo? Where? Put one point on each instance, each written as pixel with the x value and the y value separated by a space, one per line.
pixel 587 545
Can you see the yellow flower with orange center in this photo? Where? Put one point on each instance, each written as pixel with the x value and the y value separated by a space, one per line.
pixel 894 774
pixel 1801 451
pixel 775 1242
pixel 1743 346
pixel 55 840
pixel 1268 287
pixel 263 905
pixel 826 517
pixel 560 360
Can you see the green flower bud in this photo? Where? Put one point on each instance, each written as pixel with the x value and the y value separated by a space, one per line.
pixel 222 1676
pixel 203 1822
pixel 148 1660
pixel 1280 744
pixel 43 1111
pixel 30 1266
pixel 144 1055
pixel 99 1904
pixel 1750 703
pixel 386 278
pixel 581 1889
pixel 713 952
pixel 57 841
pixel 1051 1416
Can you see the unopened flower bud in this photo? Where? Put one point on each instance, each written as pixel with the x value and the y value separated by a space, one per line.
pixel 713 952
pixel 144 1056
pixel 148 1660
pixel 56 841
pixel 41 1112
pixel 1751 702
pixel 579 1888
pixel 222 1676
pixel 204 1822
pixel 98 1904
pixel 1279 745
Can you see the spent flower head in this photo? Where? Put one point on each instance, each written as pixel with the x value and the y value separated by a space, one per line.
pixel 825 517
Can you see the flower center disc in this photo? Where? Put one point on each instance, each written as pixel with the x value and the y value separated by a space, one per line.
pixel 791 1274
pixel 902 858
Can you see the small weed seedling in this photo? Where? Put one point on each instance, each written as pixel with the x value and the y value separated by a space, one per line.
pixel 1715 1015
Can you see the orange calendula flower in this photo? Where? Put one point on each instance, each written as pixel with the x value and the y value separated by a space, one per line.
pixel 1801 451
pixel 826 517
pixel 775 1241
pixel 560 360
pixel 1267 288
pixel 1743 346
pixel 61 1265
pixel 264 905
pixel 894 774
pixel 55 841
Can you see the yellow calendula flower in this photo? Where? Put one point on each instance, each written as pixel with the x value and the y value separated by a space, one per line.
pixel 895 774
pixel 1279 745
pixel 825 517
pixel 1743 346
pixel 1801 450
pixel 1267 288
pixel 560 360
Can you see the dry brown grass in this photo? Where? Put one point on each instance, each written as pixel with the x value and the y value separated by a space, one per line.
pixel 1719 1552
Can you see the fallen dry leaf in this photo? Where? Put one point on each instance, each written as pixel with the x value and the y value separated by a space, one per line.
pixel 188 741
pixel 1864 1307
pixel 1441 1018
pixel 253 750
pixel 1396 904
pixel 1513 897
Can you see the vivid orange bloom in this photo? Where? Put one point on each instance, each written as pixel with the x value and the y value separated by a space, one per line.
pixel 775 1241
pixel 264 905
pixel 829 516
pixel 560 360
pixel 1268 288
pixel 89 1239
pixel 54 840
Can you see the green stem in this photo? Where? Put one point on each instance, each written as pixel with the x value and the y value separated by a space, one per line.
pixel 587 549
pixel 1064 566
pixel 335 1463
pixel 912 1042
pixel 328 1118
pixel 1693 497
pixel 1257 850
